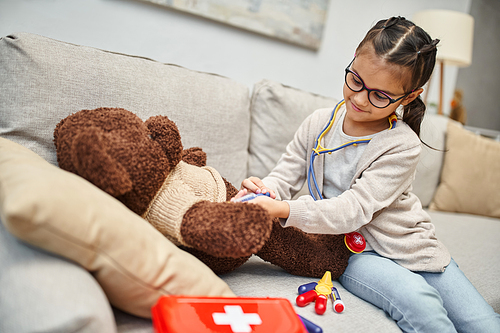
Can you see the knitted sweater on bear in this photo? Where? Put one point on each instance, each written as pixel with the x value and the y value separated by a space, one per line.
pixel 185 186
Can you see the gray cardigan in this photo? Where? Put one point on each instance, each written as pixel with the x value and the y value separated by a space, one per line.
pixel 379 203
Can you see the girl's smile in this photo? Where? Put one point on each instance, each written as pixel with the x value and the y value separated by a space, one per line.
pixel 355 108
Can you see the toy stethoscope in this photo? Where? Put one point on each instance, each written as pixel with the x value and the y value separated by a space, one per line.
pixel 319 149
pixel 354 241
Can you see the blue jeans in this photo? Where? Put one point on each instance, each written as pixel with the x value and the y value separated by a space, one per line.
pixel 420 301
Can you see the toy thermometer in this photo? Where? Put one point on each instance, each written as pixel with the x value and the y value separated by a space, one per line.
pixel 251 196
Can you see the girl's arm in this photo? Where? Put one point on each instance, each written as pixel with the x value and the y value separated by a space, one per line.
pixel 380 185
pixel 290 173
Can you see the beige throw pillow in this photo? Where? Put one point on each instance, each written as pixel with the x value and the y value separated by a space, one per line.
pixel 471 174
pixel 64 214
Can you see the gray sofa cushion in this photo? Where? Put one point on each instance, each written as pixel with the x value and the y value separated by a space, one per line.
pixel 43 80
pixel 473 243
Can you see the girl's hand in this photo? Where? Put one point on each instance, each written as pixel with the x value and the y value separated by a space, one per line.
pixel 275 208
pixel 254 185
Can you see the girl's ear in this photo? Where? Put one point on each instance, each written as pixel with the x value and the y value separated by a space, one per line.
pixel 412 96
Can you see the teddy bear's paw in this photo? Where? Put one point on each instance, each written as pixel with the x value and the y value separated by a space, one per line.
pixel 217 264
pixel 304 254
pixel 226 229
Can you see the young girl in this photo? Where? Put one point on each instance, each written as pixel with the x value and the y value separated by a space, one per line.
pixel 365 185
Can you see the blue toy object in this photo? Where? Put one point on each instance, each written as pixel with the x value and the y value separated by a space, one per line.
pixel 251 196
pixel 310 326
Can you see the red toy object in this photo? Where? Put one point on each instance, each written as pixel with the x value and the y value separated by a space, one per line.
pixel 186 314
pixel 319 294
pixel 355 242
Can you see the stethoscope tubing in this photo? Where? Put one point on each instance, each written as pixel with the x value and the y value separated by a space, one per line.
pixel 317 151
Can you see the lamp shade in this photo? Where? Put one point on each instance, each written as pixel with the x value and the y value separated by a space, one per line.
pixel 455 31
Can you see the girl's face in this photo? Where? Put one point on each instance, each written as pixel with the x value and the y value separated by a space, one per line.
pixel 363 118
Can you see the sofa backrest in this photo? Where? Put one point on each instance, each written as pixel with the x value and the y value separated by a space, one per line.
pixel 43 80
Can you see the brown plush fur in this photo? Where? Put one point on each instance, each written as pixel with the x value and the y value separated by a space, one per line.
pixel 130 159
pixel 306 254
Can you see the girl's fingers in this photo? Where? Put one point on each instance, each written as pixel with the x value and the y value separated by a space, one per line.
pixel 255 185
pixel 252 184
pixel 240 194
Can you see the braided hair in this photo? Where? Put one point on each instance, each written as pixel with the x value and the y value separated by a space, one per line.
pixel 400 42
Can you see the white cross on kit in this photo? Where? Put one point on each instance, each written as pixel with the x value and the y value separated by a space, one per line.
pixel 238 320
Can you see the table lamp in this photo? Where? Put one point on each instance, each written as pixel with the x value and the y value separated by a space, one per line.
pixel 455 31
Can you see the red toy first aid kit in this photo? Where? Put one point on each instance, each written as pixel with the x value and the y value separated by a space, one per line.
pixel 175 314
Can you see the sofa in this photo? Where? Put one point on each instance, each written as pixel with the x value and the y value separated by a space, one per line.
pixel 72 258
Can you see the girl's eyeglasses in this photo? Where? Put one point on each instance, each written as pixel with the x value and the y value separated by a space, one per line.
pixel 377 98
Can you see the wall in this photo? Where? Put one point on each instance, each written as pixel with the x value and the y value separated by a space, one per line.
pixel 165 35
pixel 481 81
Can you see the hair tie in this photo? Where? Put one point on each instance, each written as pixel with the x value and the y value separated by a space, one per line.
pixel 392 21
pixel 435 42
pixel 429 47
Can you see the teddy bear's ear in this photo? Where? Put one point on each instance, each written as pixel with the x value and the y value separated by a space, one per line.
pixel 92 161
pixel 194 156
pixel 165 132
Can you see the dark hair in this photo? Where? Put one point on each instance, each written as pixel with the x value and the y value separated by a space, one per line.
pixel 400 42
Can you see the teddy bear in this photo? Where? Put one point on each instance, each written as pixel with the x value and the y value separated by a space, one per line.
pixel 144 165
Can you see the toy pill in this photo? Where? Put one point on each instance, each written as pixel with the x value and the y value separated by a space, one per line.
pixel 306 287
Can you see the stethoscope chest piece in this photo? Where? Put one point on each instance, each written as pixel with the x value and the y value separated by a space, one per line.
pixel 355 242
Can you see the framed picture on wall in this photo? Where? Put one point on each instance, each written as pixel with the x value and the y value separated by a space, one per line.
pixel 296 21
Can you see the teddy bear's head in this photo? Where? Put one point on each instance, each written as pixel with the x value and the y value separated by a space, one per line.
pixel 119 153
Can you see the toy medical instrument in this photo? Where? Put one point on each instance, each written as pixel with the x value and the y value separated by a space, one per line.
pixel 310 327
pixel 320 291
pixel 319 149
pixel 251 196
pixel 319 294
pixel 338 305
pixel 355 242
